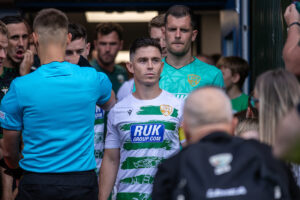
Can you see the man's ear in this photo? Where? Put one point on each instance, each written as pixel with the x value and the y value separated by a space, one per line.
pixel 194 35
pixel 235 78
pixel 35 38
pixel 88 47
pixel 129 67
pixel 69 38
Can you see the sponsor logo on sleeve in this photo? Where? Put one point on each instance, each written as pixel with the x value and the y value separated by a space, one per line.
pixel 2 115
pixel 166 110
pixel 141 133
pixel 194 79
pixel 221 163
pixel 99 114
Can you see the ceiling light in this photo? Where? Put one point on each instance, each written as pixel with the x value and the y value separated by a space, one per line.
pixel 128 16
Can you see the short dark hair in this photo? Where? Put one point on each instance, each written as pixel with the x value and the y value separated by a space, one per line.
pixel 236 65
pixel 143 42
pixel 179 11
pixel 107 28
pixel 77 31
pixel 3 29
pixel 15 19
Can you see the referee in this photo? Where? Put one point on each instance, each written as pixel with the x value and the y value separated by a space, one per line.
pixel 53 109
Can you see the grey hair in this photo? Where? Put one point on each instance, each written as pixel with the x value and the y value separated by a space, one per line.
pixel 212 107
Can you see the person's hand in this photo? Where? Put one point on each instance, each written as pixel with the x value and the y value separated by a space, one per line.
pixel 26 63
pixel 291 14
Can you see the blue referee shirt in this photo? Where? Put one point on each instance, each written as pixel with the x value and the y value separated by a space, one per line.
pixel 55 109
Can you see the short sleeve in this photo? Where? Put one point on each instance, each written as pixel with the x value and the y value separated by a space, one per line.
pixel 104 88
pixel 112 140
pixel 219 81
pixel 11 115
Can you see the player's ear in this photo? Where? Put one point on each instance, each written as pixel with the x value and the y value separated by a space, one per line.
pixel 129 67
pixel 88 47
pixel 35 37
pixel 69 38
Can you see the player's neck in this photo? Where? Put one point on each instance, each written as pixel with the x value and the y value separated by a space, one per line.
pixel 179 61
pixel 234 92
pixel 51 53
pixel 146 92
pixel 106 67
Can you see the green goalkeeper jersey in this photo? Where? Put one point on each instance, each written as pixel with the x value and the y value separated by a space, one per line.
pixel 182 81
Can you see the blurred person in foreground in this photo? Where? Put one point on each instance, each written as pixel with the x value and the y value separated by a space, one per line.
pixel 276 92
pixel 287 143
pixel 210 167
pixel 55 119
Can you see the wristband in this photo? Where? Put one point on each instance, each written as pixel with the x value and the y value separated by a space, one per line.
pixel 292 24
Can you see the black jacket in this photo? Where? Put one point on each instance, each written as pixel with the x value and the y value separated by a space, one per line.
pixel 223 167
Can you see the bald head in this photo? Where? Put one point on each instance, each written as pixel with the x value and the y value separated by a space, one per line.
pixel 206 108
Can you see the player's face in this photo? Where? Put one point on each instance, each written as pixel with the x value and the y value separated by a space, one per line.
pixel 3 48
pixel 108 47
pixel 76 49
pixel 157 34
pixel 146 66
pixel 179 35
pixel 17 41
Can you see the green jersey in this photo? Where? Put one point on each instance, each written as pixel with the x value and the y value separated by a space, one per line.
pixel 146 131
pixel 182 81
pixel 117 77
pixel 240 103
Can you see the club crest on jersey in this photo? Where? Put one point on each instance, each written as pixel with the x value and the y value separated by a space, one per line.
pixel 166 110
pixel 221 163
pixel 194 79
pixel 141 133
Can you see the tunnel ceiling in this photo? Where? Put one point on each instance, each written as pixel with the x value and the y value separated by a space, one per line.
pixel 82 5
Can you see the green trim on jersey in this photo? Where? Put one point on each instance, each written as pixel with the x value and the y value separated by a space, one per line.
pixel 133 195
pixel 154 110
pixel 168 125
pixel 99 121
pixel 141 179
pixel 166 144
pixel 141 162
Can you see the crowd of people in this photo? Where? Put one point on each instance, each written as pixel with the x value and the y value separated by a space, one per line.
pixel 168 125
